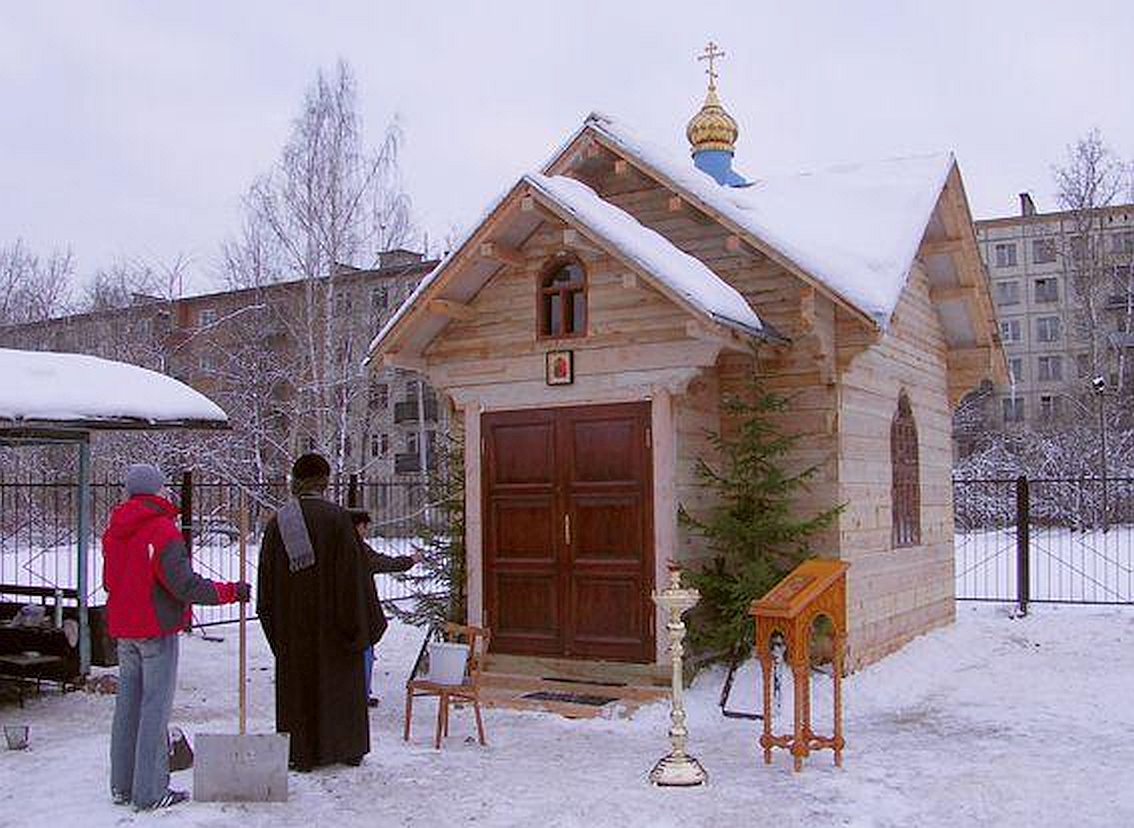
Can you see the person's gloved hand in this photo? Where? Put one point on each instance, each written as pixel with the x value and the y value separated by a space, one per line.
pixel 243 591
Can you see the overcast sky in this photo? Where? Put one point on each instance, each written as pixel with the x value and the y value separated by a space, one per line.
pixel 132 129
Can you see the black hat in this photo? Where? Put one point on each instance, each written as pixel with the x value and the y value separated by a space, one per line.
pixel 310 466
pixel 358 516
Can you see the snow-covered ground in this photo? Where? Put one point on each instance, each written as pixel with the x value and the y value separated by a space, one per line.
pixel 991 721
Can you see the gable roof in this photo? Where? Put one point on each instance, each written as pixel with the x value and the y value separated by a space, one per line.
pixel 663 262
pixel 854 230
pixel 676 274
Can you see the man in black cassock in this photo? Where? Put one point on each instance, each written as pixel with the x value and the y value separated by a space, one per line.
pixel 312 602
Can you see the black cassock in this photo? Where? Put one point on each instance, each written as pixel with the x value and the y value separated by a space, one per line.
pixel 318 620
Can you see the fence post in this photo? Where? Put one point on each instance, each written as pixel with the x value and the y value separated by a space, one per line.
pixel 1023 518
pixel 187 509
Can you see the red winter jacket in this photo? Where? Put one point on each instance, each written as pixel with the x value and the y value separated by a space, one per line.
pixel 147 574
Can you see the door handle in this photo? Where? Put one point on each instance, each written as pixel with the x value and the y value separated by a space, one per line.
pixel 567 529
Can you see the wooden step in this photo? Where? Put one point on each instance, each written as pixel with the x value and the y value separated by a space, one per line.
pixel 575 699
pixel 597 672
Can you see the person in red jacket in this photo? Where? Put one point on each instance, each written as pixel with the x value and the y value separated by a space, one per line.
pixel 150 586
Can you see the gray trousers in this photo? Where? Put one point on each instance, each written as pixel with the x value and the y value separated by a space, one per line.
pixel 139 735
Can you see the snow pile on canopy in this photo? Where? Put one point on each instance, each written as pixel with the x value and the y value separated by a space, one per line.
pixel 683 273
pixel 50 387
pixel 855 228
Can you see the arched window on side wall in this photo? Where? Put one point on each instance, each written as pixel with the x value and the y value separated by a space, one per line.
pixel 906 485
pixel 563 299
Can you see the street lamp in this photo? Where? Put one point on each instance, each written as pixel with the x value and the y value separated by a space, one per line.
pixel 1098 384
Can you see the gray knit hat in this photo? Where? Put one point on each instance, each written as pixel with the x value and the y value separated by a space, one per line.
pixel 142 478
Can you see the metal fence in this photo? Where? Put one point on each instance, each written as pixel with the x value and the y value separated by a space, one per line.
pixel 39 525
pixel 1045 540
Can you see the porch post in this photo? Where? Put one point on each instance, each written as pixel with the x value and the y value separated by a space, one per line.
pixel 474 552
pixel 664 446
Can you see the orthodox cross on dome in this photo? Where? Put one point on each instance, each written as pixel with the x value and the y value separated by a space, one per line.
pixel 712 52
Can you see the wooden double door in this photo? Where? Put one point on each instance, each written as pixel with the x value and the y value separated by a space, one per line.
pixel 568 532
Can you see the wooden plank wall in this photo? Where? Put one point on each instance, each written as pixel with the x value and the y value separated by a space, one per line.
pixel 896 594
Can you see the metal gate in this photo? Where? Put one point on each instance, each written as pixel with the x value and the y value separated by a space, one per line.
pixel 1045 540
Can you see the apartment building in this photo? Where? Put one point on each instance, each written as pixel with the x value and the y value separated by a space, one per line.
pixel 278 358
pixel 1063 288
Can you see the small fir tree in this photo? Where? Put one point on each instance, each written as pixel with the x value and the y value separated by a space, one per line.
pixel 753 536
pixel 438 582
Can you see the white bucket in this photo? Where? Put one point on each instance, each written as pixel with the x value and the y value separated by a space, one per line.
pixel 16 736
pixel 447 662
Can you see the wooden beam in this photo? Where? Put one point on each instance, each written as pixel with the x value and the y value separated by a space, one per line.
pixel 941 247
pixel 500 252
pixel 949 293
pixel 450 309
pixel 575 240
pixel 396 359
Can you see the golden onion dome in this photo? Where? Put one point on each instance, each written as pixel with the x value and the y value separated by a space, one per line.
pixel 712 128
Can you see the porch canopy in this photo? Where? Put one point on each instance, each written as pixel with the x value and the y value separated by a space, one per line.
pixel 54 398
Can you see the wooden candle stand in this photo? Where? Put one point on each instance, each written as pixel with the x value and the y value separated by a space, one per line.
pixel 814 588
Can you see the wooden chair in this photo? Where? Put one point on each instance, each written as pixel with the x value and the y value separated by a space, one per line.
pixel 468 690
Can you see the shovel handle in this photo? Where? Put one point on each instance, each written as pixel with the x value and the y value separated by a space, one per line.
pixel 242 693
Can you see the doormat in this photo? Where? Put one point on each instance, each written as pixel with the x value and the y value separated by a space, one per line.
pixel 584 681
pixel 572 698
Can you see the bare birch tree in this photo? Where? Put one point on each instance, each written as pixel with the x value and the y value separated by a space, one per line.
pixel 33 288
pixel 330 205
pixel 1097 261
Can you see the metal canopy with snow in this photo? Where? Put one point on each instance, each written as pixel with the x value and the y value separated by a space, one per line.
pixel 49 398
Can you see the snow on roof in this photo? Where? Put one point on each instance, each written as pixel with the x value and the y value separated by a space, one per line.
pixel 855 228
pixel 684 274
pixel 43 387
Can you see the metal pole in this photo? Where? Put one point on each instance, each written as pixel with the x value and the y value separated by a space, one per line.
pixel 84 538
pixel 1023 574
pixel 187 510
pixel 1102 461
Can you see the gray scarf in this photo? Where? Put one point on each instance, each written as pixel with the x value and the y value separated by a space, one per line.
pixel 296 540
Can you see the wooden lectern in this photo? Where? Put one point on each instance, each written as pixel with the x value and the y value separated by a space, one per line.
pixel 814 588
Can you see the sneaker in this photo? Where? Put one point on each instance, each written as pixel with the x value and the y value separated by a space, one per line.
pixel 119 797
pixel 170 799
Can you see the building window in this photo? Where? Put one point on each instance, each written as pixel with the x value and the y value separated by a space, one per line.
pixel 1049 408
pixel 1122 244
pixel 1010 331
pixel 563 300
pixel 1043 251
pixel 1047 329
pixel 1083 365
pixel 206 317
pixel 1007 293
pixel 412 443
pixel 1016 368
pixel 1005 254
pixel 905 482
pixel 379 444
pixel 1047 290
pixel 380 298
pixel 379 396
pixel 1013 408
pixel 1049 368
